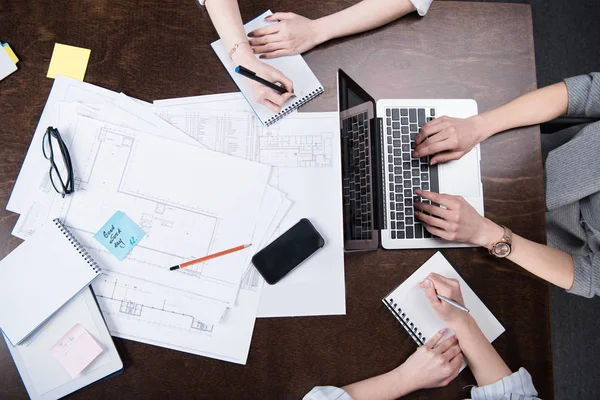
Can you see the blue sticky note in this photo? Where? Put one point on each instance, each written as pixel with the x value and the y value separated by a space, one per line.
pixel 119 235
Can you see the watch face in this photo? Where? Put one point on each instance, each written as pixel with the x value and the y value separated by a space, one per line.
pixel 501 249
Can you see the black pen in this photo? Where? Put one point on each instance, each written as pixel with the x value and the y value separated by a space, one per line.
pixel 252 75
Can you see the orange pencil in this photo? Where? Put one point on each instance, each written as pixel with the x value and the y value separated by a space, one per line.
pixel 209 257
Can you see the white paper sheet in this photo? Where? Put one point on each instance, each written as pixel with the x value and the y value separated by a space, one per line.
pixel 214 102
pixel 304 150
pixel 129 316
pixel 160 184
pixel 33 176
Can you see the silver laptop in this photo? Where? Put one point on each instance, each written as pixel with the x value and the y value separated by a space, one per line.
pixel 380 176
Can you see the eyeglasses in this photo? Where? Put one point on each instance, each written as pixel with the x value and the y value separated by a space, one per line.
pixel 60 168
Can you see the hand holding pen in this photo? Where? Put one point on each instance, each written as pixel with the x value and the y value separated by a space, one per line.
pixel 274 95
pixel 445 297
pixel 263 94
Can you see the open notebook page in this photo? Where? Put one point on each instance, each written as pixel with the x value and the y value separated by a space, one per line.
pixel 306 84
pixel 410 297
pixel 39 277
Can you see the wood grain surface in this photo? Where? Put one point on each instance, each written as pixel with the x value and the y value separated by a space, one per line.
pixel 154 49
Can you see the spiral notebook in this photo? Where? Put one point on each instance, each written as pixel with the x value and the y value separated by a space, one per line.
pixel 412 309
pixel 39 277
pixel 44 377
pixel 306 84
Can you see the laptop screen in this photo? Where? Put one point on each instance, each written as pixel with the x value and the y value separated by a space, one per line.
pixel 359 159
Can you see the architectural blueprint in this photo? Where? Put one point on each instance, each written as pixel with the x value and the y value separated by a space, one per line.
pixel 161 184
pixel 304 151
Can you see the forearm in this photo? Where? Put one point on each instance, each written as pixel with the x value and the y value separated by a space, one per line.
pixel 366 15
pixel 550 264
pixel 391 385
pixel 486 364
pixel 533 108
pixel 226 18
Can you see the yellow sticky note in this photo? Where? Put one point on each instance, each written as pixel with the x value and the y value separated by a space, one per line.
pixel 11 53
pixel 69 61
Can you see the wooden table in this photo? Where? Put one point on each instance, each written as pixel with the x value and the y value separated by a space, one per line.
pixel 154 49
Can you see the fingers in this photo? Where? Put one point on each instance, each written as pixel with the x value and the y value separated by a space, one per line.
pixel 433 341
pixel 447 344
pixel 428 286
pixel 457 362
pixel 277 53
pixel 452 350
pixel 262 40
pixel 280 16
pixel 265 30
pixel 431 128
pixel 442 284
pixel 277 99
pixel 432 221
pixel 271 106
pixel 439 198
pixel 434 148
pixel 446 200
pixel 445 157
pixel 267 48
pixel 277 76
pixel 437 231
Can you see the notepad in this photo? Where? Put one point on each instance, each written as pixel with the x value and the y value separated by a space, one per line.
pixel 7 65
pixel 69 61
pixel 76 350
pixel 45 377
pixel 39 277
pixel 6 47
pixel 306 84
pixel 410 306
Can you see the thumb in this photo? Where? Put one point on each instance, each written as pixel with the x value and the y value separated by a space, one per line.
pixel 445 157
pixel 280 16
pixel 430 292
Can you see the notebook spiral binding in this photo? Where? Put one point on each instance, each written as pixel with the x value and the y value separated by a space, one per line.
pixel 84 253
pixel 294 106
pixel 404 320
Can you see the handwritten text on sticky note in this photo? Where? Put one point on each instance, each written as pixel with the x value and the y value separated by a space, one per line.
pixel 76 350
pixel 120 235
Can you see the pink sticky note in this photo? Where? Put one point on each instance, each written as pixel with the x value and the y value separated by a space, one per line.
pixel 76 350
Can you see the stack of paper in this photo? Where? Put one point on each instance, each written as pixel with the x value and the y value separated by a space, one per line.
pixel 198 175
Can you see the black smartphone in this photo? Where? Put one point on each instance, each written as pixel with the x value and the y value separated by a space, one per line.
pixel 288 251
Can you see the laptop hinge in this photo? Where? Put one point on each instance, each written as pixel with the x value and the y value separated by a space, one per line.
pixel 382 209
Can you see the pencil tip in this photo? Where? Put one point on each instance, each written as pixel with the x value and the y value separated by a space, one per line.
pixel 173 268
pixel 248 245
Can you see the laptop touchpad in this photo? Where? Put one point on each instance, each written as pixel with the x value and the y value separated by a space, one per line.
pixel 461 177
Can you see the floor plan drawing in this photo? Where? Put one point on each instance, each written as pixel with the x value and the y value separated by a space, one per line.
pixel 303 151
pixel 120 169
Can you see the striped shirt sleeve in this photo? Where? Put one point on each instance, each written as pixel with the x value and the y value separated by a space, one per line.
pixel 327 393
pixel 517 386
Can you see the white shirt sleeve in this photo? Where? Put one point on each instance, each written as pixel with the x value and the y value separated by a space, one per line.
pixel 327 393
pixel 422 6
pixel 201 2
pixel 517 386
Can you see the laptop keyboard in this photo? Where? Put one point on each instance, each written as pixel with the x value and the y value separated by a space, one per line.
pixel 357 180
pixel 405 173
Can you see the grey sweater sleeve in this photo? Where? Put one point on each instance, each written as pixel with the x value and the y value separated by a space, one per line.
pixel 584 95
pixel 586 282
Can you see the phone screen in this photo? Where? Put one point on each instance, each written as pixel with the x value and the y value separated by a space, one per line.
pixel 287 251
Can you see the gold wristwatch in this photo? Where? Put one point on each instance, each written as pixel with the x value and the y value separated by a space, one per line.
pixel 502 248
